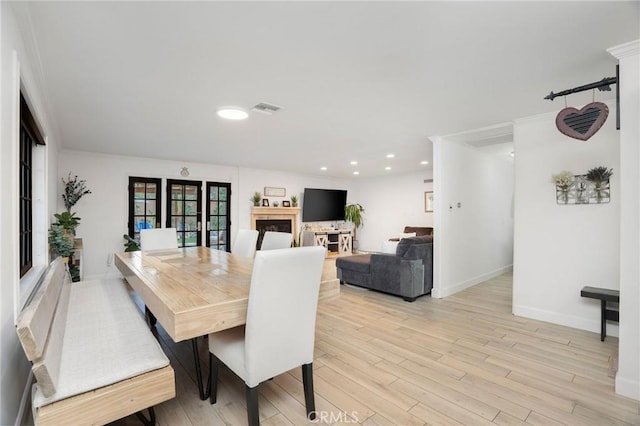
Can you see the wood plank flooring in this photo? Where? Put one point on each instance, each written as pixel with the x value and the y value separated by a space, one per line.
pixel 462 360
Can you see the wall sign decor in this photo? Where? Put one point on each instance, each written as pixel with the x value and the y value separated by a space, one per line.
pixel 270 191
pixel 583 123
pixel 594 187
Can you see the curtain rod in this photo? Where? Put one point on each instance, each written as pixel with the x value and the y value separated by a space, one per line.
pixel 603 85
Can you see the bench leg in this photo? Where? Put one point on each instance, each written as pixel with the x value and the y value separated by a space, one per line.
pixel 603 320
pixel 147 422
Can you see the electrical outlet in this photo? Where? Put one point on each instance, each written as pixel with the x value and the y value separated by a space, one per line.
pixel 110 259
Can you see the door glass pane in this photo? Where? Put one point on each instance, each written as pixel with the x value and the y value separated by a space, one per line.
pixel 139 190
pixel 151 207
pixel 191 207
pixel 191 192
pixel 223 194
pixel 152 190
pixel 176 208
pixel 213 193
pixel 177 222
pixel 213 222
pixel 138 207
pixel 191 239
pixel 191 223
pixel 176 192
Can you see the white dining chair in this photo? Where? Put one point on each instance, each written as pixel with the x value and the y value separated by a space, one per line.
pixel 245 243
pixel 158 239
pixel 279 333
pixel 276 240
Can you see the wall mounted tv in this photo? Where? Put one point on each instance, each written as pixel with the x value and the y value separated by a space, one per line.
pixel 323 204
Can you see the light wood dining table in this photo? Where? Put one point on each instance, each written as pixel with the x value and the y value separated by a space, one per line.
pixel 195 291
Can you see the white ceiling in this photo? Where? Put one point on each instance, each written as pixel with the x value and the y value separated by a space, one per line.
pixel 355 80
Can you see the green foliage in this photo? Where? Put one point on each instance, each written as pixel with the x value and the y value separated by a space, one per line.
pixel 599 174
pixel 74 189
pixel 256 197
pixel 294 199
pixel 354 213
pixel 59 242
pixel 130 244
pixel 69 221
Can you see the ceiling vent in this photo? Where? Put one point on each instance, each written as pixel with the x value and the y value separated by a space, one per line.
pixel 266 108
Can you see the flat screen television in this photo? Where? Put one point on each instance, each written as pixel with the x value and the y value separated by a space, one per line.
pixel 323 204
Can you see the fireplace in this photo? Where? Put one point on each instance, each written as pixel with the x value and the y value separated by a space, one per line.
pixel 278 219
pixel 277 225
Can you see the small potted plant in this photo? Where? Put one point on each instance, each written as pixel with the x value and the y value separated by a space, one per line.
pixel 130 244
pixel 69 221
pixel 294 201
pixel 599 176
pixel 354 213
pixel 255 198
pixel 59 242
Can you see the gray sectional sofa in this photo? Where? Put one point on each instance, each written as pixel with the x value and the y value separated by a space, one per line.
pixel 407 273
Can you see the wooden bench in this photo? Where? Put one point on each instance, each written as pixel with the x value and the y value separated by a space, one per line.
pixel 604 295
pixel 93 356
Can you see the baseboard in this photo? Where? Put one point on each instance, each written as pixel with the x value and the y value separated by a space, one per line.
pixel 25 401
pixel 628 388
pixel 448 291
pixel 106 275
pixel 581 323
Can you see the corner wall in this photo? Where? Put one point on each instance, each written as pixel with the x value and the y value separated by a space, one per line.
pixel 561 248
pixel 473 195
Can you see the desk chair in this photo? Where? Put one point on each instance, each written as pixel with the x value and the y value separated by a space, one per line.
pixel 280 330
pixel 276 240
pixel 245 243
pixel 158 239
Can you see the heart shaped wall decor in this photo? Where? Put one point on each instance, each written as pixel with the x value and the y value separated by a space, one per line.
pixel 584 123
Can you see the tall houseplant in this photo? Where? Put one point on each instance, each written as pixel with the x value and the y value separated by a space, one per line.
pixel 354 213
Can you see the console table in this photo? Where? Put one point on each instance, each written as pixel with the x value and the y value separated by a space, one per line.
pixel 336 241
pixel 604 295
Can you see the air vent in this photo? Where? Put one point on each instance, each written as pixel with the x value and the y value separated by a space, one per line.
pixel 266 108
pixel 428 181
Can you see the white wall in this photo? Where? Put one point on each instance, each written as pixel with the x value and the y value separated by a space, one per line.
pixel 19 66
pixel 104 212
pixel 473 193
pixel 390 203
pixel 561 248
pixel 628 376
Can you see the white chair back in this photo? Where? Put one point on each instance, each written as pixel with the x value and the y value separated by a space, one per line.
pixel 158 239
pixel 245 243
pixel 276 240
pixel 281 315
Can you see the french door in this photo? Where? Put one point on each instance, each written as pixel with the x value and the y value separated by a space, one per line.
pixel 144 205
pixel 218 216
pixel 184 198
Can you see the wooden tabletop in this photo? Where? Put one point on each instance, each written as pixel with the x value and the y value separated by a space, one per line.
pixel 194 291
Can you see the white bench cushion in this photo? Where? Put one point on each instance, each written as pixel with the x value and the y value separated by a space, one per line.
pixel 106 340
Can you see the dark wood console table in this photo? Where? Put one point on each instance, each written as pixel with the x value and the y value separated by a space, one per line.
pixel 604 295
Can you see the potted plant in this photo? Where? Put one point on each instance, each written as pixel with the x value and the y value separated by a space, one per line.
pixel 130 244
pixel 294 201
pixel 255 198
pixel 74 190
pixel 354 213
pixel 69 221
pixel 600 178
pixel 60 243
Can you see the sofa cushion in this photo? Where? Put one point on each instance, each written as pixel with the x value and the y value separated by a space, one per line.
pixel 413 247
pixel 359 263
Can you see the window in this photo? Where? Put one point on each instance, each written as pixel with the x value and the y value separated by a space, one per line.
pixel 184 212
pixel 144 205
pixel 30 136
pixel 218 215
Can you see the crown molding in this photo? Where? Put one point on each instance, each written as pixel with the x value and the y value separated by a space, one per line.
pixel 625 50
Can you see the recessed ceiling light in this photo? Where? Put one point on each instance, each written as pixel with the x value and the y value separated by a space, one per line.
pixel 424 162
pixel 353 163
pixel 390 155
pixel 356 173
pixel 512 154
pixel 232 113
pixel 387 168
pixel 323 168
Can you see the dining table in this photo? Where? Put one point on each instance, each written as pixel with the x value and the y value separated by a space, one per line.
pixel 194 291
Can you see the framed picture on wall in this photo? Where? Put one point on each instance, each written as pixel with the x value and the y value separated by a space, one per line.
pixel 428 201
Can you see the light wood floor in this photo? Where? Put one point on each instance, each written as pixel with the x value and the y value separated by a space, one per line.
pixel 460 360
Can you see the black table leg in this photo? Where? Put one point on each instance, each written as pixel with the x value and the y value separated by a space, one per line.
pixel 603 320
pixel 204 393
